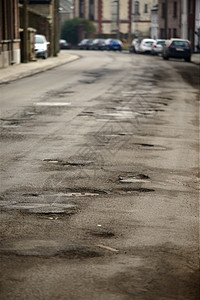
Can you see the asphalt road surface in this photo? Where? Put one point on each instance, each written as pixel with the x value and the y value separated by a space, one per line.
pixel 99 188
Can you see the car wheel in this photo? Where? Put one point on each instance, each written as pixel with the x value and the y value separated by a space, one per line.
pixel 188 59
pixel 165 57
pixel 45 55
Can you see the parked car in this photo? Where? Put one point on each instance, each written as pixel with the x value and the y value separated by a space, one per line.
pixel 97 44
pixel 145 46
pixel 41 46
pixel 64 44
pixel 133 46
pixel 157 47
pixel 113 44
pixel 177 48
pixel 85 44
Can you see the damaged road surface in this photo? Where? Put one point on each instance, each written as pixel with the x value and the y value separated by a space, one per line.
pixel 99 188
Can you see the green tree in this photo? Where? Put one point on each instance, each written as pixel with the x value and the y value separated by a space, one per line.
pixel 70 29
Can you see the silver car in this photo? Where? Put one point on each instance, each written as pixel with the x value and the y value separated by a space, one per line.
pixel 157 47
pixel 145 46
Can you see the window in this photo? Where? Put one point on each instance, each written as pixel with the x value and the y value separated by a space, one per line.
pixel 146 8
pixel 175 9
pixel 91 13
pixel 169 33
pixel 174 32
pixel 162 33
pixel 81 8
pixel 181 44
pixel 191 7
pixel 163 10
pixel 137 8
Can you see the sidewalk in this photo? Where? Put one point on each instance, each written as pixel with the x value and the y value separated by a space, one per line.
pixel 196 58
pixel 23 70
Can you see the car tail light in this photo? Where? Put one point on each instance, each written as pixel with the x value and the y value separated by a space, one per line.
pixel 110 43
pixel 143 44
pixel 189 43
pixel 170 46
pixel 155 46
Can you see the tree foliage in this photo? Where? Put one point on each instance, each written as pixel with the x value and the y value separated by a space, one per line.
pixel 70 29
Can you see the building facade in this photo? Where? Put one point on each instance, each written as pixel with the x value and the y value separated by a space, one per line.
pixel 154 22
pixel 169 13
pixel 66 11
pixel 110 16
pixel 180 19
pixel 9 33
pixel 43 15
pixel 197 27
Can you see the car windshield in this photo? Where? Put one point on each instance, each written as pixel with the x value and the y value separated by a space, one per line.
pixel 39 40
pixel 161 42
pixel 181 43
pixel 149 43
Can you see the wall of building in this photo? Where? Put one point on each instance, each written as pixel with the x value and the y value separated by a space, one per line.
pixel 9 33
pixel 169 19
pixel 154 23
pixel 197 27
pixel 106 15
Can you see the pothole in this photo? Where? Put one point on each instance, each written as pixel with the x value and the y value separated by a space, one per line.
pixel 151 147
pixel 53 104
pixel 41 209
pixel 32 194
pixel 48 248
pixel 102 233
pixel 129 190
pixel 84 252
pixel 86 114
pixel 10 126
pixel 79 194
pixel 87 81
pixel 69 163
pixel 140 178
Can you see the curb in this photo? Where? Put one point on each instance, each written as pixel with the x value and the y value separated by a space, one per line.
pixel 29 73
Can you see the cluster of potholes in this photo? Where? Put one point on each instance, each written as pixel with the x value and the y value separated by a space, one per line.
pixel 37 109
pixel 63 202
pixel 91 77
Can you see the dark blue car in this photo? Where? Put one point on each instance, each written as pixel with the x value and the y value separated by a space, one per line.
pixel 85 44
pixel 113 44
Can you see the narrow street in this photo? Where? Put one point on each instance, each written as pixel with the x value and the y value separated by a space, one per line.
pixel 99 187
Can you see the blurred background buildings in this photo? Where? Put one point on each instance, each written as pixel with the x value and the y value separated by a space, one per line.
pixel 21 19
